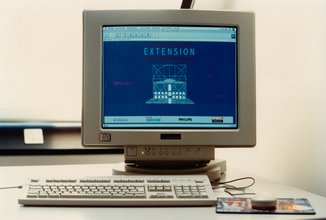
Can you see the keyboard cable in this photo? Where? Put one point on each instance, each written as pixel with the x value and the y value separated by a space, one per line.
pixel 234 190
pixel 11 187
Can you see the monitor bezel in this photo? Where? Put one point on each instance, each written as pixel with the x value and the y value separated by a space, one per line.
pixel 92 131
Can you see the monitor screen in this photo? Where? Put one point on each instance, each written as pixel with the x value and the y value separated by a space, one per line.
pixel 169 77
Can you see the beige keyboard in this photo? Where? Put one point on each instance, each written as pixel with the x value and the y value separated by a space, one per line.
pixel 120 191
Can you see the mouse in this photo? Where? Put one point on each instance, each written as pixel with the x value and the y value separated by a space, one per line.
pixel 263 202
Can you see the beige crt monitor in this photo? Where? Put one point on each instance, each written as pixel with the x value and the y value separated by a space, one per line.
pixel 168 85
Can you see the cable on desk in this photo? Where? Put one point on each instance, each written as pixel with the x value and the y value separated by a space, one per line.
pixel 228 188
pixel 11 187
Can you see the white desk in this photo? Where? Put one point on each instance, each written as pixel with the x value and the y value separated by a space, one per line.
pixel 16 175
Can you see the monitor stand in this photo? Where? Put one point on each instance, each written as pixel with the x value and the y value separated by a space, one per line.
pixel 214 169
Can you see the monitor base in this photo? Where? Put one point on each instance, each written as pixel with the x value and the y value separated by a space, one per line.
pixel 214 169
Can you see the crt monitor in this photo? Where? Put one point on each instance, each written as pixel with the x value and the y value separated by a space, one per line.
pixel 168 85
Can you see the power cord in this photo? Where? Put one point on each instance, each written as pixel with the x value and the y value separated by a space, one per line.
pixel 187 4
pixel 234 190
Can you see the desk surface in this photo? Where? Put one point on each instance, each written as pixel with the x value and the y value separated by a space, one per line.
pixel 17 175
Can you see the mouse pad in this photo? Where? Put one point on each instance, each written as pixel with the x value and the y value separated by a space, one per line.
pixel 283 206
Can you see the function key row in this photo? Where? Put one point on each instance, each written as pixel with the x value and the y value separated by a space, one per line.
pixel 158 181
pixel 128 181
pixel 86 180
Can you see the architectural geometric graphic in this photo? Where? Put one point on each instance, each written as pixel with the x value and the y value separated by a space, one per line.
pixel 169 84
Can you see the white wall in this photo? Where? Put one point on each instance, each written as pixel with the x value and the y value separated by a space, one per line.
pixel 291 93
pixel 41 55
pixel 291 75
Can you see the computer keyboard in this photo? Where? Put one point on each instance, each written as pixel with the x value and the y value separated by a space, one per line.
pixel 183 190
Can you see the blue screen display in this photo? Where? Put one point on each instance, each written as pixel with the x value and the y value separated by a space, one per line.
pixel 169 77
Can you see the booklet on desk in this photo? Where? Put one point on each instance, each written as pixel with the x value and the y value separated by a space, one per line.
pixel 283 206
